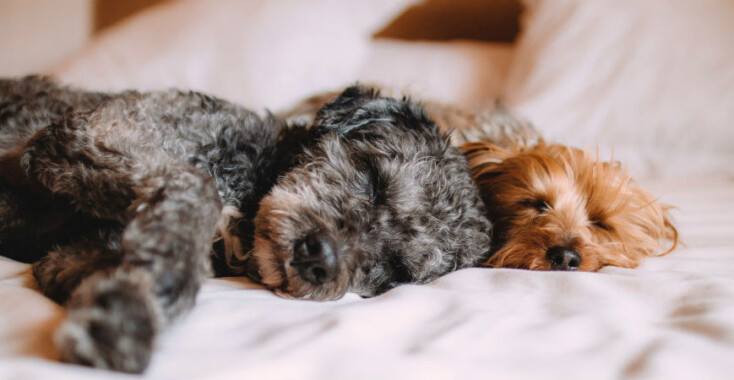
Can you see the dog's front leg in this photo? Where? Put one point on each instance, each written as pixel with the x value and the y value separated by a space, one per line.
pixel 114 314
pixel 169 211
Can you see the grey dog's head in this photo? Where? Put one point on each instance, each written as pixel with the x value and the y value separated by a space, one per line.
pixel 380 199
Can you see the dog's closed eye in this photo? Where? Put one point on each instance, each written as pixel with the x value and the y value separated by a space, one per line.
pixel 374 183
pixel 539 205
pixel 601 225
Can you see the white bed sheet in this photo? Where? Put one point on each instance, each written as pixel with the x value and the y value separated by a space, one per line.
pixel 671 318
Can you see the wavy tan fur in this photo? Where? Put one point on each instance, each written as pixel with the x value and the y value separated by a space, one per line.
pixel 553 195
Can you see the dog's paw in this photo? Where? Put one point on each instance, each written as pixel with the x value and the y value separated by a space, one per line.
pixel 63 268
pixel 112 329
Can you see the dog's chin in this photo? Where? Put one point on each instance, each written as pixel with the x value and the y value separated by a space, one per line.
pixel 522 256
pixel 299 289
pixel 296 288
pixel 519 256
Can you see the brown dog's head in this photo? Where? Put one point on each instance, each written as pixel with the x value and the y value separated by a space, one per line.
pixel 556 208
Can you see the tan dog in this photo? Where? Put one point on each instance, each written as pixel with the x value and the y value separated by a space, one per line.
pixel 557 208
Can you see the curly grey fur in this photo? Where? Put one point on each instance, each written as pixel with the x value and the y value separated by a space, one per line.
pixel 388 188
pixel 141 184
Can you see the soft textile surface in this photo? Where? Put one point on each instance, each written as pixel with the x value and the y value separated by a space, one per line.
pixel 272 54
pixel 260 53
pixel 672 318
pixel 652 80
pixel 470 74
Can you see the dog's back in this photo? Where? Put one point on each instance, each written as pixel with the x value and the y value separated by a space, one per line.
pixel 27 105
pixel 34 102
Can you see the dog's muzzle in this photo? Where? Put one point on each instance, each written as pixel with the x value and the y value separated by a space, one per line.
pixel 563 258
pixel 315 259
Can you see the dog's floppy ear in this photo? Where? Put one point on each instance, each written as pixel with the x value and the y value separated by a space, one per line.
pixel 341 113
pixel 358 107
pixel 485 159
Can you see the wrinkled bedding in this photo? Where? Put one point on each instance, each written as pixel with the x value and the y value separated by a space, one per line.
pixel 671 318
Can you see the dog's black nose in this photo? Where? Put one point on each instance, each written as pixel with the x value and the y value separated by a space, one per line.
pixel 563 258
pixel 315 259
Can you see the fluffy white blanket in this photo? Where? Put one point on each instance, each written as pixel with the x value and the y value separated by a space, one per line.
pixel 671 318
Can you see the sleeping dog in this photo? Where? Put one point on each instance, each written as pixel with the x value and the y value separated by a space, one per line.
pixel 126 201
pixel 554 207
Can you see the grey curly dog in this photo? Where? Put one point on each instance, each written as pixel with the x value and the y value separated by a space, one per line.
pixel 126 202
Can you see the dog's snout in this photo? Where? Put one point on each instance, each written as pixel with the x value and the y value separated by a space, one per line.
pixel 563 258
pixel 315 259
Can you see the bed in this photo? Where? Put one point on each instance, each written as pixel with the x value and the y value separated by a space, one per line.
pixel 652 82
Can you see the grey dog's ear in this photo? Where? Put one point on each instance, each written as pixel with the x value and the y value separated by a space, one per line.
pixel 341 113
pixel 358 107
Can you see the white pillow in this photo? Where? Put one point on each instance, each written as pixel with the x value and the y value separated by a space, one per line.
pixel 260 53
pixel 653 80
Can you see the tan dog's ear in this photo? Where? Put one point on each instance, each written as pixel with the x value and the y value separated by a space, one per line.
pixel 485 159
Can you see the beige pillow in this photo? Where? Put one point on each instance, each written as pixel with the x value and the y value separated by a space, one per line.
pixel 261 53
pixel 653 80
pixel 469 74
